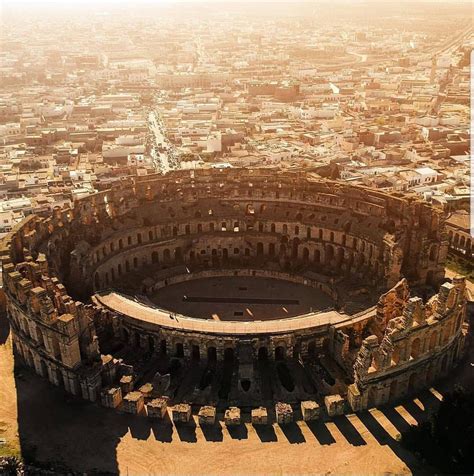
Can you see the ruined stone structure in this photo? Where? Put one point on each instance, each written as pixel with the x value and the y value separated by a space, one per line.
pixel 70 278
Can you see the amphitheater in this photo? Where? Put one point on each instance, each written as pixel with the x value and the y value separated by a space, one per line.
pixel 229 290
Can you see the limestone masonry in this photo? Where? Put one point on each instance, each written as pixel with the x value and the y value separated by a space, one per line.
pixel 80 285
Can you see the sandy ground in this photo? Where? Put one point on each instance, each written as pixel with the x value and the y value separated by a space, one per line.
pixel 306 299
pixel 54 427
pixel 8 399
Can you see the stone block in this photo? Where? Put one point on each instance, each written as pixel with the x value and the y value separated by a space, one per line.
pixel 207 415
pixel 310 410
pixel 334 405
pixel 181 413
pixel 146 390
pixel 260 416
pixel 111 397
pixel 126 384
pixel 284 413
pixel 232 416
pixel 133 403
pixel 157 408
pixel 354 397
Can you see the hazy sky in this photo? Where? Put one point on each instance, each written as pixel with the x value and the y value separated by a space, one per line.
pixel 167 2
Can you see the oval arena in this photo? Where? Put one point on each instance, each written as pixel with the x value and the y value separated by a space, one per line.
pixel 236 288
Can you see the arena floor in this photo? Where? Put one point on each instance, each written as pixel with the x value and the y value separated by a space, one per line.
pixel 241 298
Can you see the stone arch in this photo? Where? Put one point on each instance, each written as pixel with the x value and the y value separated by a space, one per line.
pixel 295 245
pixel 433 340
pixel 393 394
pixel 154 257
pixel 40 337
pixel 373 396
pixel 305 254
pixel 396 355
pixel 179 349
pixel 312 349
pixel 317 256
pixel 262 353
pixel 444 363
pixel 415 348
pixel 412 383
pixel 280 352
pixel 229 354
pixel 163 347
pixel 195 352
pixel 44 369
pixel 151 344
pixel 212 354
pixel 329 253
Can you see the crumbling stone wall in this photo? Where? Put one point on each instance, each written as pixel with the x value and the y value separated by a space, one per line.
pixel 52 264
pixel 421 343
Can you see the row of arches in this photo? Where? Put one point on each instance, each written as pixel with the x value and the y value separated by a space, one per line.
pixel 419 346
pixel 195 351
pixel 147 236
pixel 401 386
pixel 460 242
pixel 335 258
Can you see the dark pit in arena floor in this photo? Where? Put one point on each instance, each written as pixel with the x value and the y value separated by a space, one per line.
pixel 241 298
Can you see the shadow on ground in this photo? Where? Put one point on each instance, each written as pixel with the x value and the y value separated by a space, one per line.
pixel 81 436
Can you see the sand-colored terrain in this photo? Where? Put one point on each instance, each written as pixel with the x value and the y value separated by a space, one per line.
pixel 53 427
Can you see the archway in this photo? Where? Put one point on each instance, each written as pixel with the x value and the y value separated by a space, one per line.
pixel 415 348
pixel 211 354
pixel 262 354
pixel 433 340
pixel 195 353
pixel 412 383
pixel 280 353
pixel 229 354
pixel 151 344
pixel 317 256
pixel 393 390
pixel 444 363
pixel 179 350
pixel 163 347
pixel 305 254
